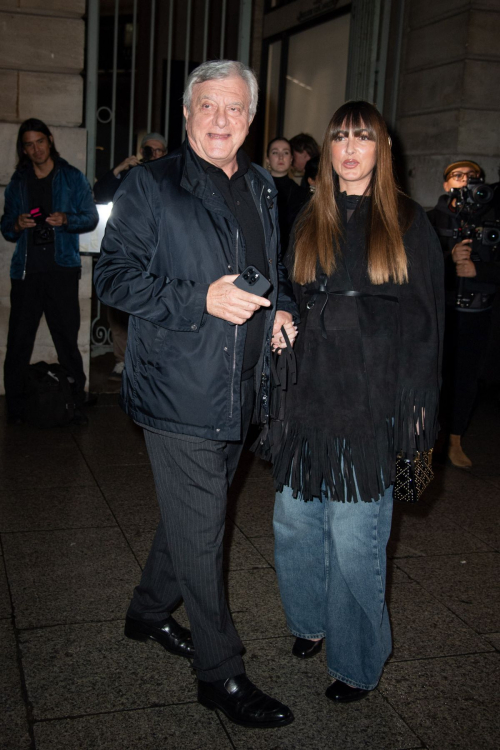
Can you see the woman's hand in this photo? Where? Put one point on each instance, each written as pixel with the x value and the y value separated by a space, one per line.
pixel 283 319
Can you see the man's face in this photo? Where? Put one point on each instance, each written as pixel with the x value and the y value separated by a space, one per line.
pixel 36 146
pixel 459 178
pixel 300 160
pixel 219 119
pixel 156 147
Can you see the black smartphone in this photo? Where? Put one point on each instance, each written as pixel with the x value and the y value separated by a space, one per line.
pixel 251 280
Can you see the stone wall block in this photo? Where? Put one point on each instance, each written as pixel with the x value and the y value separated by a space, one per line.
pixel 54 98
pixel 62 7
pixel 70 142
pixel 432 88
pixel 442 42
pixel 484 33
pixel 481 84
pixel 8 138
pixel 429 133
pixel 41 43
pixel 8 95
pixel 479 130
pixel 424 11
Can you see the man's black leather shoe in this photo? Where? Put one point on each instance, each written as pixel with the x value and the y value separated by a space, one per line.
pixel 341 693
pixel 244 703
pixel 172 636
pixel 304 648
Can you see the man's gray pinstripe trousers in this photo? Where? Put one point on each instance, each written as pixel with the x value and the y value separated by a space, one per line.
pixel 192 476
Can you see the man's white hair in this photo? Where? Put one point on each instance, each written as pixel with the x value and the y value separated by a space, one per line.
pixel 207 71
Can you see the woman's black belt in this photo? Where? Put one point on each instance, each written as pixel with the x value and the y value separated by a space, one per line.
pixel 322 289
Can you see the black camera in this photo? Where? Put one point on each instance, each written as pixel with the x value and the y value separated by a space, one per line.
pixel 43 233
pixel 488 234
pixel 472 196
pixel 147 153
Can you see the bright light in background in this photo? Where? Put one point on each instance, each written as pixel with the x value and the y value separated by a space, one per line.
pixel 90 243
pixel 299 83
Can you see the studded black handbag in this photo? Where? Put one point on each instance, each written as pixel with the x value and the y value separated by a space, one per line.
pixel 412 477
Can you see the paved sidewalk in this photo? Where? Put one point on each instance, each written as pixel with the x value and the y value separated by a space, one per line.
pixel 77 517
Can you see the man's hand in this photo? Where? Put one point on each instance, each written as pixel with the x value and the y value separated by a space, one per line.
pixel 226 301
pixel 461 251
pixel 130 161
pixel 283 319
pixel 24 221
pixel 57 219
pixel 466 269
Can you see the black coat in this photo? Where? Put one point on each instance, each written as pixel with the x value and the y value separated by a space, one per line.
pixel 368 370
pixel 170 235
pixel 445 221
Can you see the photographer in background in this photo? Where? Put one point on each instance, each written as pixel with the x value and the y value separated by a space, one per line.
pixel 48 203
pixel 466 220
pixel 153 146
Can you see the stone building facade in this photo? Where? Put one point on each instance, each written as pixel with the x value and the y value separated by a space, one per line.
pixel 42 46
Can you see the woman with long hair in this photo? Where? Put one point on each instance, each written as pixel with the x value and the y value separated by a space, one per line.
pixel 367 273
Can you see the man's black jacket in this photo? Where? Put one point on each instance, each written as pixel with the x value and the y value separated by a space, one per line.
pixel 170 235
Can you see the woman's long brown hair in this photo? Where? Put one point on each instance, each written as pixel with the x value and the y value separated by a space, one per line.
pixel 390 210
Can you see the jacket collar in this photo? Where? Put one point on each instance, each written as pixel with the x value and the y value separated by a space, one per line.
pixel 196 180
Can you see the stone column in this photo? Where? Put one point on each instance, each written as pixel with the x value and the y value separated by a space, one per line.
pixel 449 105
pixel 41 59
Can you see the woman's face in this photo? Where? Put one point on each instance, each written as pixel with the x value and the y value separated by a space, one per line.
pixel 280 158
pixel 354 157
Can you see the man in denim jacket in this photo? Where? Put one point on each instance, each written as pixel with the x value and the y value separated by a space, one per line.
pixel 48 203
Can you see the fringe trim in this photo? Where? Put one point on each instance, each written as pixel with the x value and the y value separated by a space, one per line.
pixel 308 459
pixel 416 422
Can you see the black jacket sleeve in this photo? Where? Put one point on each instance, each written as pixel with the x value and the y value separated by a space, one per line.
pixel 122 275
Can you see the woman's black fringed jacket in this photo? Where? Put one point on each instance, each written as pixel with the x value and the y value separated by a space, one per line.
pixel 368 369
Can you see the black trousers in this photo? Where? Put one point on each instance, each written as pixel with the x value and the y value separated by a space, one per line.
pixel 466 341
pixel 192 476
pixel 54 294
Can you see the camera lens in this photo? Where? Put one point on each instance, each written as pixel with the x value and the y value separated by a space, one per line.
pixel 491 236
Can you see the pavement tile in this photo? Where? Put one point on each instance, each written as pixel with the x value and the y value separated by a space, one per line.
pixel 75 670
pixel 422 627
pixel 318 724
pixel 494 639
pixel 5 606
pixel 265 545
pixel 416 532
pixel 44 463
pixel 442 701
pixel 187 727
pixel 252 508
pixel 460 583
pixel 55 508
pixel 69 576
pixel 14 733
pixel 128 476
pixel 255 603
pixel 125 447
pixel 134 506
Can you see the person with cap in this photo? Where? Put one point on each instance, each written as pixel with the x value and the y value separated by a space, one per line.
pixel 153 146
pixel 468 326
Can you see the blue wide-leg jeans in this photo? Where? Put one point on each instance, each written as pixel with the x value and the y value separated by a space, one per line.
pixel 331 565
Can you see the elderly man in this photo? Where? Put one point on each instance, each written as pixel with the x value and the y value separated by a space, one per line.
pixel 197 364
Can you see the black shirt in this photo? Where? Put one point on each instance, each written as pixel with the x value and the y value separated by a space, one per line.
pixel 40 253
pixel 239 200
